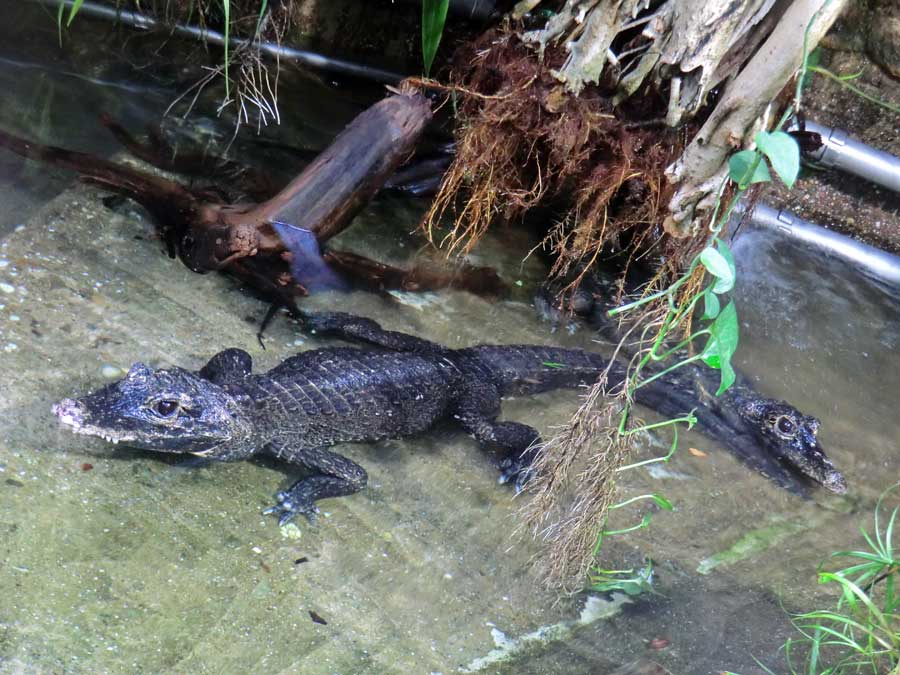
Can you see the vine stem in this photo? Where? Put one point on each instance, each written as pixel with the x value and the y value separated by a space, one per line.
pixel 630 501
pixel 856 90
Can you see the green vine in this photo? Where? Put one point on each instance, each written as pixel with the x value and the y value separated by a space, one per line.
pixel 775 152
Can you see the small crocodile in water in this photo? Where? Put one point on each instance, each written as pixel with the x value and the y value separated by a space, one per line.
pixel 327 396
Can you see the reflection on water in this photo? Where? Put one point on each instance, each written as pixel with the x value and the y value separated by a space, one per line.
pixel 819 333
pixel 116 561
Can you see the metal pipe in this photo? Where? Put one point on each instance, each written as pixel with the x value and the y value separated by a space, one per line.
pixel 840 151
pixel 307 58
pixel 881 264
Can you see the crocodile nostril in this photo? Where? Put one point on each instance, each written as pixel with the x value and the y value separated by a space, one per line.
pixel 835 482
pixel 69 412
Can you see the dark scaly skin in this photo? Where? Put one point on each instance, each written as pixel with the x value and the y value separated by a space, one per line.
pixel 328 396
pixel 768 435
pixel 323 397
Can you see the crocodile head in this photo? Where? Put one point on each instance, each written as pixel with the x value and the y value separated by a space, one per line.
pixel 791 436
pixel 171 410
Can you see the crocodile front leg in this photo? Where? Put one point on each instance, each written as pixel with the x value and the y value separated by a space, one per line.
pixel 230 366
pixel 354 328
pixel 335 476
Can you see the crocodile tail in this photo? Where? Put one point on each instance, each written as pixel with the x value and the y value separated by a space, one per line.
pixel 529 369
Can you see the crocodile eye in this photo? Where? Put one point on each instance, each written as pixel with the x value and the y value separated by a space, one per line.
pixel 785 426
pixel 166 407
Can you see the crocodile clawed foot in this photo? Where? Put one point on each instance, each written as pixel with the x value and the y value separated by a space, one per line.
pixel 288 508
pixel 517 470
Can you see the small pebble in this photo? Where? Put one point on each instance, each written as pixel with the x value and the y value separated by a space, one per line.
pixel 7 288
pixel 110 371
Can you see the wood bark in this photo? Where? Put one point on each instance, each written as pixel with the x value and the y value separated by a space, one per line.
pixel 243 239
pixel 703 165
pixel 331 190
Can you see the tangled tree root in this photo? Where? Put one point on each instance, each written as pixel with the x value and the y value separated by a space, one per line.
pixel 524 142
pixel 251 81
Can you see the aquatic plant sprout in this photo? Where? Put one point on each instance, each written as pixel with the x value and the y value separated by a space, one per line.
pixel 226 11
pixel 434 15
pixel 861 633
pixel 60 12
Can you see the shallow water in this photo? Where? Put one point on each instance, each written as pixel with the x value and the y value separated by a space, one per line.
pixel 123 561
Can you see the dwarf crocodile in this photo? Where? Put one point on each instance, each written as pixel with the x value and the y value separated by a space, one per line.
pixel 398 386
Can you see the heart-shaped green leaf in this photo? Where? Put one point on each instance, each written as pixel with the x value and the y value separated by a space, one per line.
pixel 739 168
pixel 718 265
pixel 723 342
pixel 783 153
pixel 724 285
pixel 710 306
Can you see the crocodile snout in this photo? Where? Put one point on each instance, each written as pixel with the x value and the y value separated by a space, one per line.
pixel 70 413
pixel 835 482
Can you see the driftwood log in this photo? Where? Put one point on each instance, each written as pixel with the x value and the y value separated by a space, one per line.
pixel 269 243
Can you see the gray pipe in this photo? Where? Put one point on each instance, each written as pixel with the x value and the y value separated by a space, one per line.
pixel 307 58
pixel 840 151
pixel 878 263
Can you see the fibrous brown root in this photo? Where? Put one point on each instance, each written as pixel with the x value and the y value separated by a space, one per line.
pixel 573 488
pixel 575 483
pixel 252 81
pixel 524 142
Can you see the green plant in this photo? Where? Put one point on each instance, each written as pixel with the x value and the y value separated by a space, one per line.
pixel 631 582
pixel 861 633
pixel 60 12
pixel 226 11
pixel 671 311
pixel 434 15
pixel 813 67
pixel 777 151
